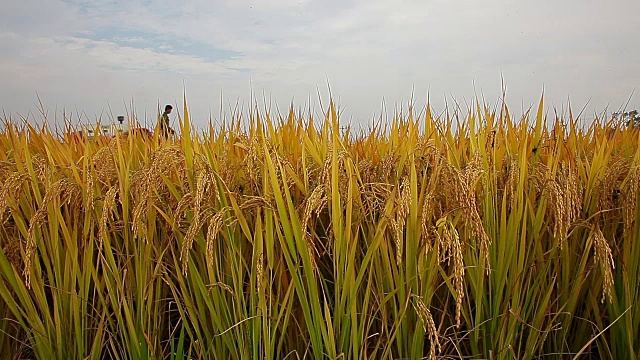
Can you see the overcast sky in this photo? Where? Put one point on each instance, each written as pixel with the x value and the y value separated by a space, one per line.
pixel 91 54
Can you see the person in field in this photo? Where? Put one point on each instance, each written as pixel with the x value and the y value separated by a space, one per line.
pixel 165 129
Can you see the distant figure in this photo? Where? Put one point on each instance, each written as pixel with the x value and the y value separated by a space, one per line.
pixel 165 129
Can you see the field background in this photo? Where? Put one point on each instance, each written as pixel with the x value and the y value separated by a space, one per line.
pixel 472 234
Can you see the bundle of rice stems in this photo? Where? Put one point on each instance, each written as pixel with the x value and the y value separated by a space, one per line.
pixel 469 235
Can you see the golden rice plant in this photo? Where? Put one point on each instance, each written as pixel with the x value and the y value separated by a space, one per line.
pixel 473 234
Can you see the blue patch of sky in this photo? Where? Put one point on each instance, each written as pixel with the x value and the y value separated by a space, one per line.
pixel 83 6
pixel 161 44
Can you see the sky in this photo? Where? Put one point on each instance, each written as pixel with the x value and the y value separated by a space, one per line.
pixel 96 57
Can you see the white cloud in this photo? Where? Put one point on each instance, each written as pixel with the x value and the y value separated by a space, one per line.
pixel 127 58
pixel 367 49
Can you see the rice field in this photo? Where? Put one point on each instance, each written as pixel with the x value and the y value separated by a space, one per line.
pixel 470 234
